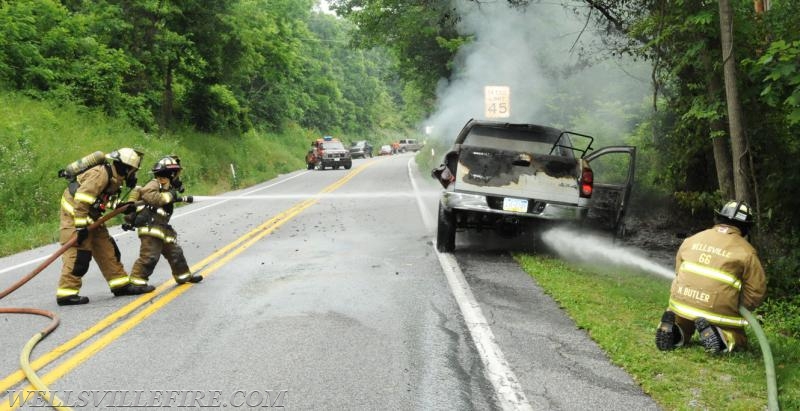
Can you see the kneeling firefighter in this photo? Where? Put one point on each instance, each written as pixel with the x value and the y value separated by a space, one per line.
pixel 717 271
pixel 151 222
pixel 91 191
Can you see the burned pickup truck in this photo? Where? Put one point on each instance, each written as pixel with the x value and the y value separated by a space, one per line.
pixel 509 177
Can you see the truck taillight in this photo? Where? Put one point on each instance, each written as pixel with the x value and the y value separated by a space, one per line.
pixel 586 182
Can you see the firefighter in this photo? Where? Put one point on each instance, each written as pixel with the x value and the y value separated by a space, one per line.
pixel 86 198
pixel 717 271
pixel 152 224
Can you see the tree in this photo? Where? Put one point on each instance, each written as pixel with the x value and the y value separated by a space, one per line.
pixel 740 147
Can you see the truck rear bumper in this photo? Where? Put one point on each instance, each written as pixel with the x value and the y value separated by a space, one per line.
pixel 538 209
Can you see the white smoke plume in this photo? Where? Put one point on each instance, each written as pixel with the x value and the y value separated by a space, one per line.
pixel 525 50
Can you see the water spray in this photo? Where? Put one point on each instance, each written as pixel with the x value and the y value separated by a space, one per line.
pixel 573 245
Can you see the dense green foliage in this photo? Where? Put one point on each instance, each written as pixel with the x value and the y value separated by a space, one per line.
pixel 620 310
pixel 216 66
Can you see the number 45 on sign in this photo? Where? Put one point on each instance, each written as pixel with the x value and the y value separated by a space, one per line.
pixel 497 101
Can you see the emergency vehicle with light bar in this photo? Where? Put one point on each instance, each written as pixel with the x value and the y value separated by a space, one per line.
pixel 510 177
pixel 328 152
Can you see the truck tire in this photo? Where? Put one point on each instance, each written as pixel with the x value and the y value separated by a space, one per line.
pixel 446 231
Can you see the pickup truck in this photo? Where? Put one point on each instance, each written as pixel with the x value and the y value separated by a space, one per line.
pixel 328 152
pixel 508 177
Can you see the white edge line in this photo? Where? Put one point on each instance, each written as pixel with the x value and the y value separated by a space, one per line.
pixel 36 260
pixel 426 218
pixel 509 392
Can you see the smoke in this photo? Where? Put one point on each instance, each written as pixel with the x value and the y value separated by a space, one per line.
pixel 595 250
pixel 533 51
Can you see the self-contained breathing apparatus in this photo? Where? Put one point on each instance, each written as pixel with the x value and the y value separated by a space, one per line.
pixel 126 162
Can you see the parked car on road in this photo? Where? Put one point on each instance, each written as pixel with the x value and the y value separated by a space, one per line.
pixel 509 177
pixel 361 149
pixel 409 144
pixel 386 150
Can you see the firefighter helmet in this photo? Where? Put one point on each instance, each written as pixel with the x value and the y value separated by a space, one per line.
pixel 127 156
pixel 736 211
pixel 168 166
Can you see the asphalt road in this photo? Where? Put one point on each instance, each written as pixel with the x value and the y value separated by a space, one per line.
pixel 323 290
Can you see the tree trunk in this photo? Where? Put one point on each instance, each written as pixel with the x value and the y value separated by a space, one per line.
pixel 168 98
pixel 719 136
pixel 739 145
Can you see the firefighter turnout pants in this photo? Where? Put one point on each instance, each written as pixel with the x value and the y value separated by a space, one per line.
pixel 155 242
pixel 101 247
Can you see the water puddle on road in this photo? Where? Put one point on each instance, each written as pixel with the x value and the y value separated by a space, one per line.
pixel 587 248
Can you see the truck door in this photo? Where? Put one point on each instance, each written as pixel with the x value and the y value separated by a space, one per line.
pixel 613 169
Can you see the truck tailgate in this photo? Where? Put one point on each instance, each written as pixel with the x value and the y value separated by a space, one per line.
pixel 518 174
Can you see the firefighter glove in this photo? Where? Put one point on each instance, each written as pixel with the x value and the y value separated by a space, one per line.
pixel 177 184
pixel 175 197
pixel 130 207
pixel 82 233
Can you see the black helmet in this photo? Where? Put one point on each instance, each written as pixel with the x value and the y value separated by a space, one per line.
pixel 736 212
pixel 168 166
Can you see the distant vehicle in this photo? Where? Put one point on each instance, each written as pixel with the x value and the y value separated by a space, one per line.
pixel 328 152
pixel 361 149
pixel 506 177
pixel 409 144
pixel 386 150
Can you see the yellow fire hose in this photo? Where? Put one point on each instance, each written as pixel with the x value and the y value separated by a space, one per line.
pixel 24 357
pixel 769 364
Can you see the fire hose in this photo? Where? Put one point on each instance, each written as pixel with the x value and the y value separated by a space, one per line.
pixel 24 357
pixel 766 352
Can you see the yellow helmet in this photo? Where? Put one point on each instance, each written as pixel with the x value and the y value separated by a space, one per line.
pixel 128 156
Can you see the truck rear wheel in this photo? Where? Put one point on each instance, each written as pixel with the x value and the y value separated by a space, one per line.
pixel 446 231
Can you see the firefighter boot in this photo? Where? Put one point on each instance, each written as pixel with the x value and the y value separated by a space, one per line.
pixel 668 335
pixel 710 336
pixel 74 299
pixel 191 278
pixel 132 289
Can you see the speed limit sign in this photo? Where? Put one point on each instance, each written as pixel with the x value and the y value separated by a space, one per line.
pixel 497 101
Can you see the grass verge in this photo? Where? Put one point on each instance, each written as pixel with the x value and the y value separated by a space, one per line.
pixel 620 311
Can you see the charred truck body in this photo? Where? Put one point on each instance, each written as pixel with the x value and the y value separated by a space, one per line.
pixel 502 176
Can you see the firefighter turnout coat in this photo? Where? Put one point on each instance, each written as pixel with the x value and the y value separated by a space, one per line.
pixel 83 202
pixel 156 234
pixel 717 270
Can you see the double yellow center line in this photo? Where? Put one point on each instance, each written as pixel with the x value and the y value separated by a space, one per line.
pixel 208 265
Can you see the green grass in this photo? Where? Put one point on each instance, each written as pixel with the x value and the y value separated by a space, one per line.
pixel 620 311
pixel 39 138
